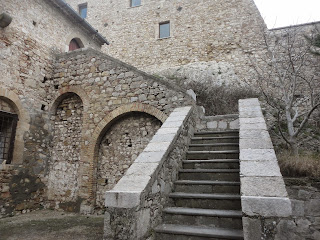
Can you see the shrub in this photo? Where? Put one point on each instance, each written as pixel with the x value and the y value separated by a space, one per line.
pixel 304 165
pixel 220 100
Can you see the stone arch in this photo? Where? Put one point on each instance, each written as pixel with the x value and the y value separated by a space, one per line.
pixel 76 38
pixel 66 151
pixel 101 129
pixel 62 93
pixel 23 124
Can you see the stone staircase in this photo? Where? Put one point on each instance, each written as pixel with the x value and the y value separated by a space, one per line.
pixel 206 201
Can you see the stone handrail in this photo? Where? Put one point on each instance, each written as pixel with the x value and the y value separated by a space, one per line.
pixel 264 197
pixel 135 204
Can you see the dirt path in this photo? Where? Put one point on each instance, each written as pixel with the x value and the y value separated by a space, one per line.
pixel 51 225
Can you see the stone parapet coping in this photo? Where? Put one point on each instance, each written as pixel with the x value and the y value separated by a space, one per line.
pixel 131 188
pixel 263 192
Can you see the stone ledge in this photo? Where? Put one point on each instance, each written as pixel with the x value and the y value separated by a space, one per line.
pixel 266 206
pixel 129 190
pixel 263 186
pixel 257 154
pixel 260 169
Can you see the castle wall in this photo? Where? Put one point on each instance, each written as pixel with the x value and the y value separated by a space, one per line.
pixel 202 30
pixel 27 47
pixel 109 91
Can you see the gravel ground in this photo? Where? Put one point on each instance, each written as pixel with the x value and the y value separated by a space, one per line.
pixel 51 225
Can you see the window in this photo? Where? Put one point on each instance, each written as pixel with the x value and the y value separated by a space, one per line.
pixel 83 9
pixel 135 3
pixel 8 125
pixel 75 44
pixel 164 30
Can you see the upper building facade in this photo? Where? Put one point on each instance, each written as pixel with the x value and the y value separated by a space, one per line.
pixel 156 35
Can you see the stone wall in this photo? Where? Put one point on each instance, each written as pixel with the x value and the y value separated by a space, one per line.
pixel 201 30
pixel 65 150
pixel 218 122
pixel 120 146
pixel 134 205
pixel 27 47
pixel 305 198
pixel 20 191
pixel 109 89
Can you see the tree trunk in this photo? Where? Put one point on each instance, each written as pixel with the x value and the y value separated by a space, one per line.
pixel 294 146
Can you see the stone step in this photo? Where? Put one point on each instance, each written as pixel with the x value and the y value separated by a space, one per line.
pixel 213 146
pixel 217 133
pixel 186 232
pixel 211 163
pixel 201 217
pixel 228 139
pixel 209 174
pixel 205 200
pixel 226 154
pixel 203 186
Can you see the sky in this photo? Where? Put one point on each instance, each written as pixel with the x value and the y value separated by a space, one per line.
pixel 280 13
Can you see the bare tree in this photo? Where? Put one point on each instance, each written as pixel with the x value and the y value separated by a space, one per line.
pixel 288 77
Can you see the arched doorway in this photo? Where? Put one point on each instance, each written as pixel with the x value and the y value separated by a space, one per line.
pixel 120 145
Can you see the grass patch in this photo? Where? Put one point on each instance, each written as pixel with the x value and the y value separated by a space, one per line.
pixel 305 165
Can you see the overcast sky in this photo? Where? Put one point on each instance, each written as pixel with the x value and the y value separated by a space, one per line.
pixel 279 13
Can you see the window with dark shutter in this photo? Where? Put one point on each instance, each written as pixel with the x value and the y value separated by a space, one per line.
pixel 8 125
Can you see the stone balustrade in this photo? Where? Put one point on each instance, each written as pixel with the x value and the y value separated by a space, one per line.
pixel 134 205
pixel 264 197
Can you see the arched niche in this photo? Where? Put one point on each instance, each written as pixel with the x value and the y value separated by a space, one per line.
pixel 120 144
pixel 92 153
pixel 66 128
pixel 75 43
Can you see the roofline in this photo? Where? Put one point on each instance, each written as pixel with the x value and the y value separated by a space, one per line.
pixel 297 25
pixel 66 9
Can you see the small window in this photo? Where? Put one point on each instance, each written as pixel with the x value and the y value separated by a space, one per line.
pixel 75 44
pixel 8 125
pixel 164 30
pixel 83 9
pixel 135 3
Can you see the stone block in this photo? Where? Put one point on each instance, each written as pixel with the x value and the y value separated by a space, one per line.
pixel 258 125
pixel 266 206
pixel 255 134
pixel 249 143
pixel 143 222
pixel 131 183
pixel 122 199
pixel 222 125
pixel 170 124
pixel 168 130
pixel 258 154
pixel 312 207
pixel 263 186
pixel 142 169
pixel 251 228
pixel 212 125
pixel 157 147
pixel 175 118
pixel 163 138
pixel 252 120
pixel 234 124
pixel 249 102
pixel 286 230
pixel 260 168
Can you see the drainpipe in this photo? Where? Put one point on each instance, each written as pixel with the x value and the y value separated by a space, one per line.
pixel 5 20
